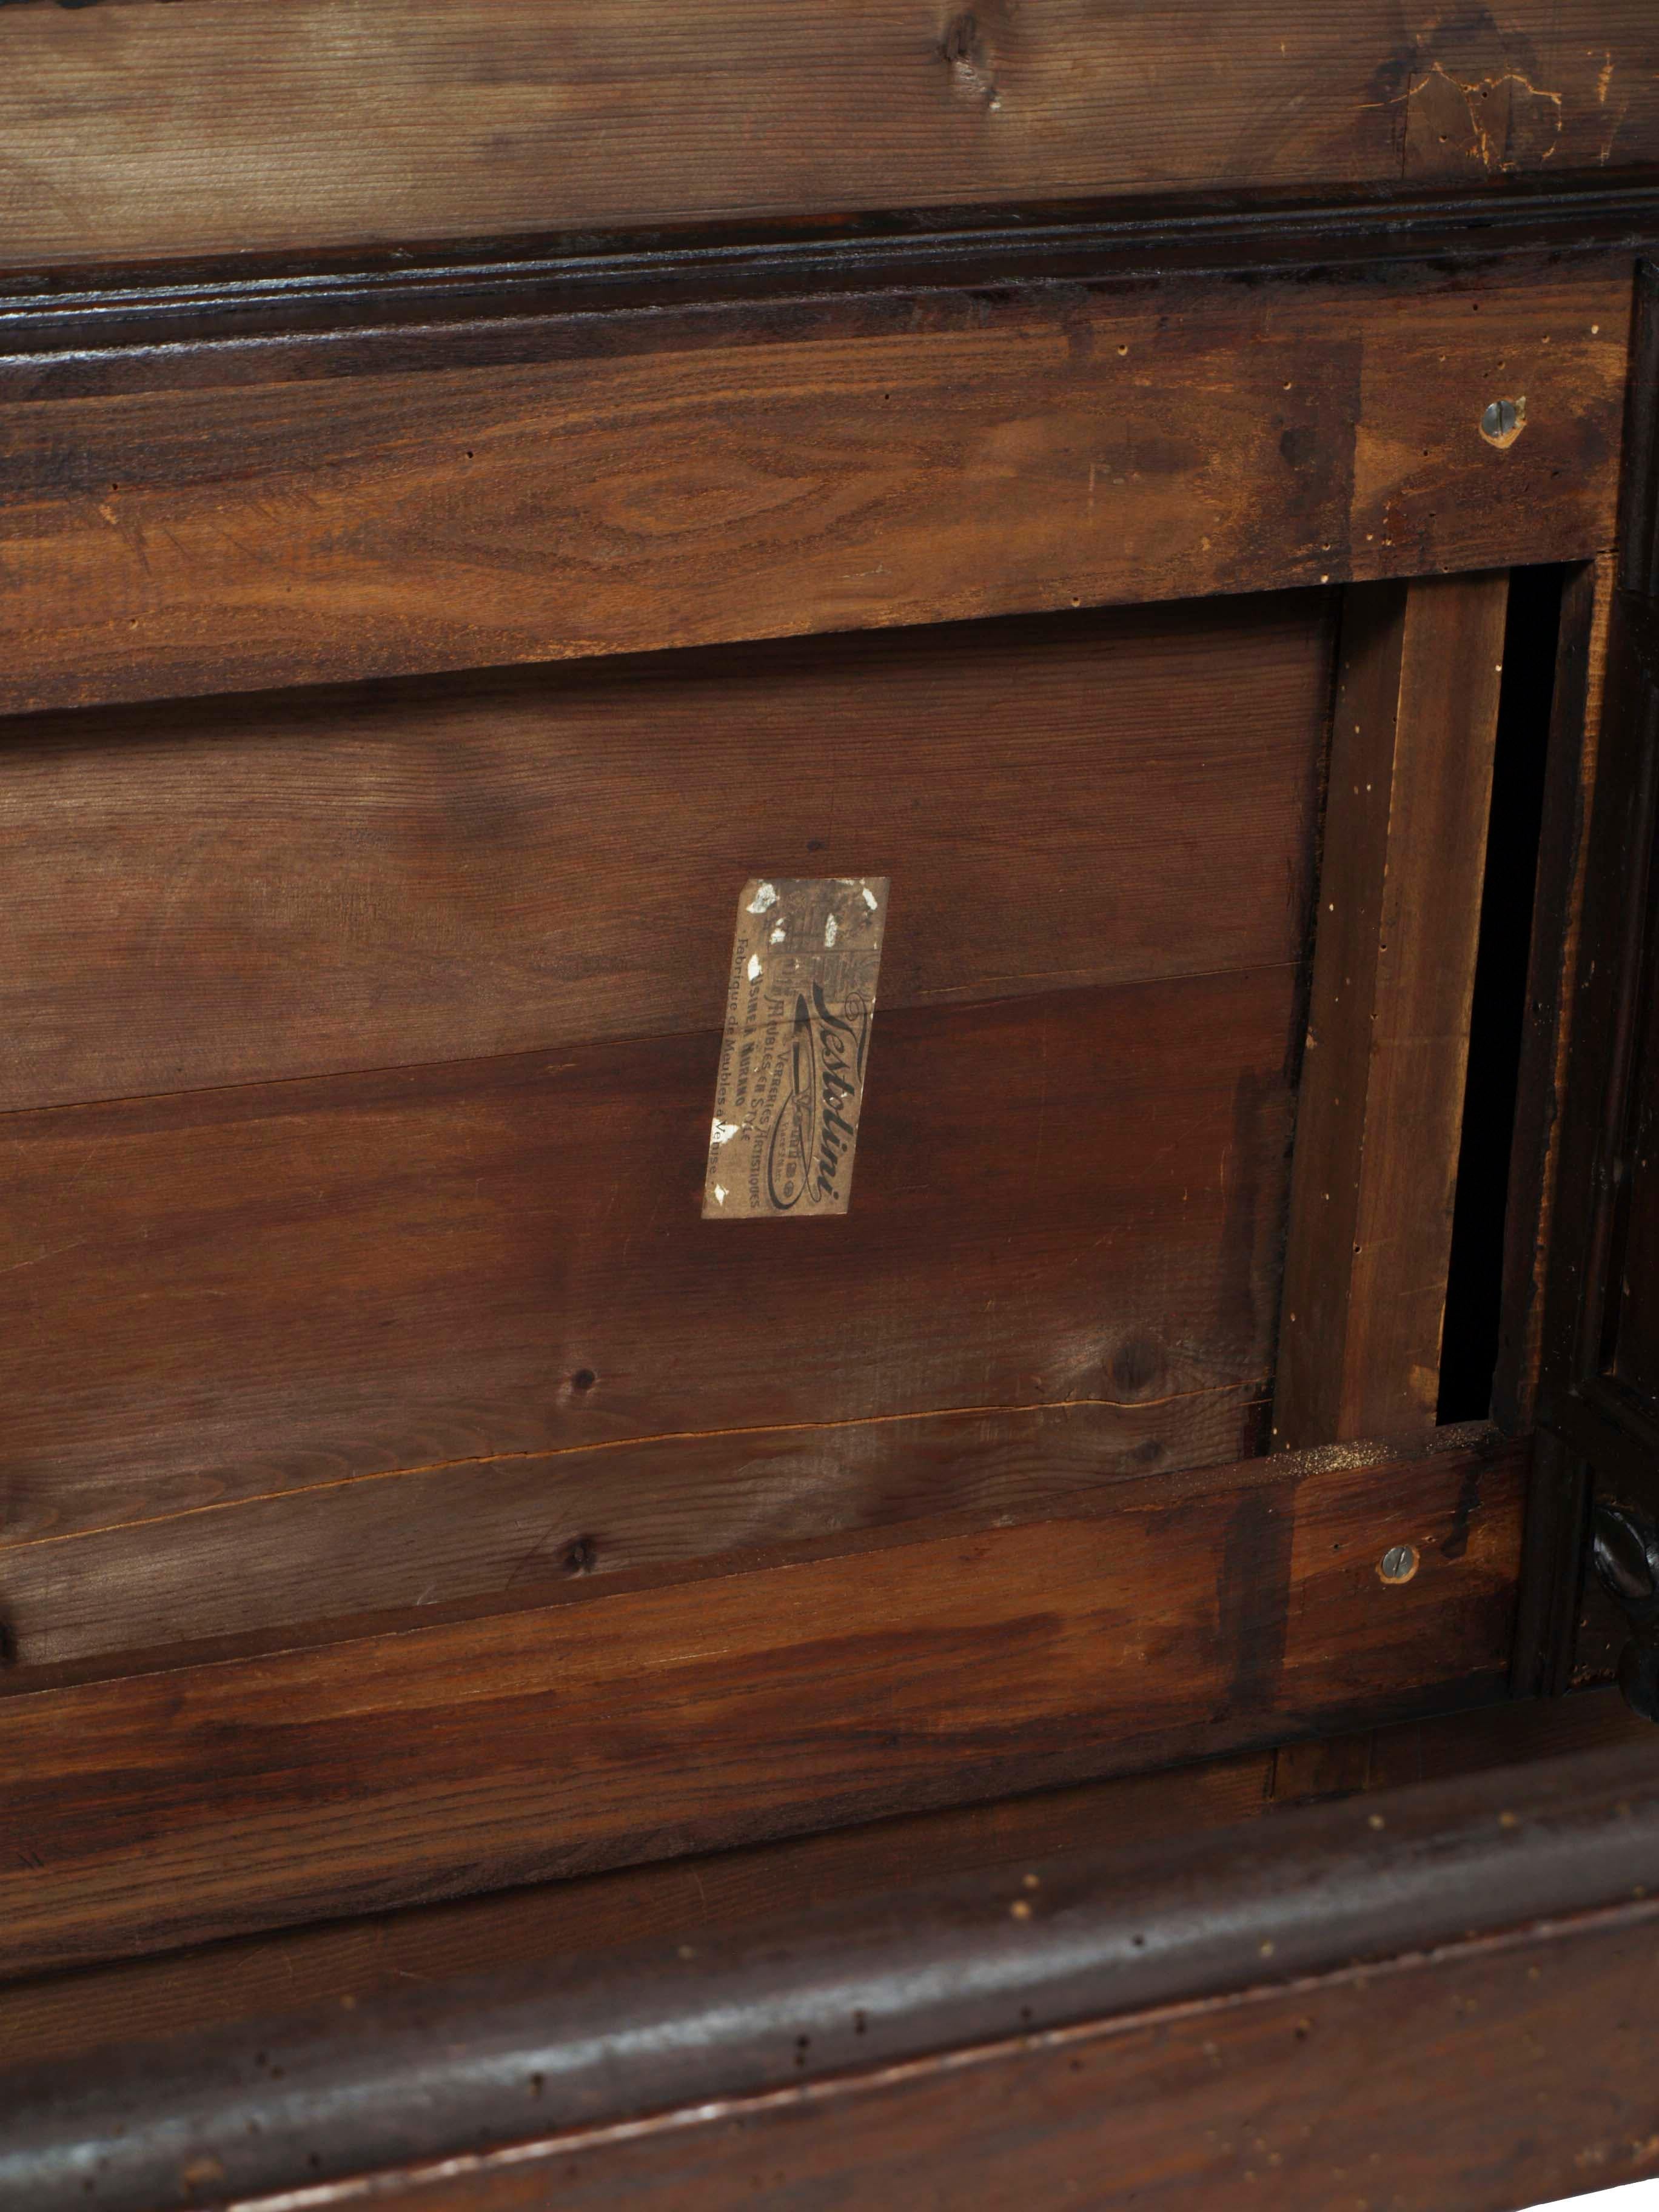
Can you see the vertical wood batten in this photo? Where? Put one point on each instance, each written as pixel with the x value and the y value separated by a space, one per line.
pixel 1399 910
pixel 1552 967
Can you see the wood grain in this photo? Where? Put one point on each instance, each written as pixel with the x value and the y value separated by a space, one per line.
pixel 226 891
pixel 137 131
pixel 1197 1612
pixel 957 1976
pixel 1062 1199
pixel 631 481
pixel 390 1550
pixel 1564 855
pixel 1379 1116
pixel 1308 2094
pixel 688 1900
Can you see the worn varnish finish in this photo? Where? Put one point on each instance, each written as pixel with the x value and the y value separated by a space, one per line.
pixel 799 2059
pixel 254 1290
pixel 1310 2091
pixel 1190 1612
pixel 680 1901
pixel 690 1900
pixel 401 1501
pixel 370 508
pixel 529 1529
pixel 1382 1093
pixel 469 118
pixel 232 890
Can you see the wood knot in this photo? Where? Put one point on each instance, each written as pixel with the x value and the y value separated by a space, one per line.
pixel 961 39
pixel 1136 1367
pixel 964 49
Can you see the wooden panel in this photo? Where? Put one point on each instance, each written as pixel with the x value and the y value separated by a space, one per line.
pixel 1570 783
pixel 1192 1613
pixel 678 1900
pixel 138 130
pixel 234 1293
pixel 230 891
pixel 688 1900
pixel 603 482
pixel 1395 2079
pixel 954 1980
pixel 1399 911
pixel 528 1528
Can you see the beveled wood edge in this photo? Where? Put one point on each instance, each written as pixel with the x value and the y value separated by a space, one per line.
pixel 43 309
pixel 547 2054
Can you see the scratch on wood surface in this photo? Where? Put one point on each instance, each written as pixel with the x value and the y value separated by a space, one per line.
pixel 1475 90
pixel 34 1258
pixel 634 1443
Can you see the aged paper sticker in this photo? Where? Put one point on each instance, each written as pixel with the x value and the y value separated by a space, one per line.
pixel 798 1007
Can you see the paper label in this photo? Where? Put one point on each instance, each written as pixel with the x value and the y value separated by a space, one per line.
pixel 798 1007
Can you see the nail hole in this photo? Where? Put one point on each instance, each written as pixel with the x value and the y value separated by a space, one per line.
pixel 583 1379
pixel 579 1556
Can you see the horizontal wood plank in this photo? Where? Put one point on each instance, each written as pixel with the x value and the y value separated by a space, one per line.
pixel 683 1900
pixel 631 481
pixel 1197 1612
pixel 1243 2012
pixel 690 1900
pixel 525 1529
pixel 235 1293
pixel 230 891
pixel 137 131
pixel 1305 2094
pixel 1180 1989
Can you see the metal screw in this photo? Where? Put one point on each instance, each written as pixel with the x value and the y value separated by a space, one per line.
pixel 1502 420
pixel 1398 1563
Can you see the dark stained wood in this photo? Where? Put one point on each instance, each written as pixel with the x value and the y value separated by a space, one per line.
pixel 1062 1200
pixel 687 1900
pixel 1186 1613
pixel 1638 1312
pixel 678 1901
pixel 234 889
pixel 1244 2005
pixel 802 465
pixel 478 117
pixel 1380 1115
pixel 1590 1408
pixel 533 1528
pixel 1636 1348
pixel 1556 935
pixel 1315 2094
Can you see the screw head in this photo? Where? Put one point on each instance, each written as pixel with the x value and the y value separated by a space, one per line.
pixel 1502 420
pixel 1398 1564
